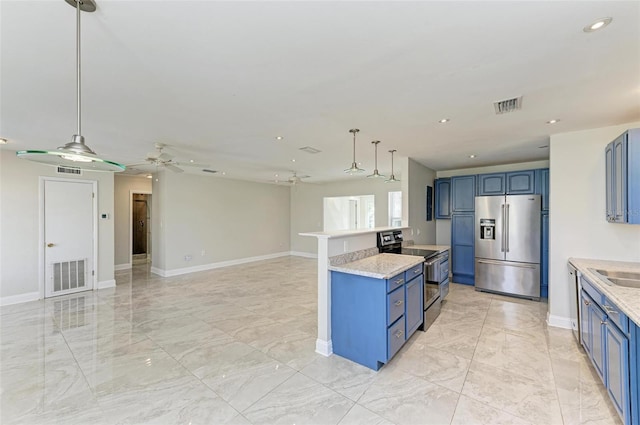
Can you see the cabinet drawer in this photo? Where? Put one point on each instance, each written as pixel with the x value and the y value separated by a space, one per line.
pixel 395 305
pixel 395 282
pixel 395 338
pixel 592 291
pixel 413 272
pixel 616 316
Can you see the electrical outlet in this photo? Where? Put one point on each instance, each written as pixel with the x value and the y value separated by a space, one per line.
pixel 188 257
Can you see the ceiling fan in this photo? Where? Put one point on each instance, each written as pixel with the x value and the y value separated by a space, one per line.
pixel 293 180
pixel 161 159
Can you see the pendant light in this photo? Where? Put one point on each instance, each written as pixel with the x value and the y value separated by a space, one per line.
pixel 75 153
pixel 392 177
pixel 376 174
pixel 354 165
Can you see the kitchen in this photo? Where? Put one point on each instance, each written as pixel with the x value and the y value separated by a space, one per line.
pixel 576 226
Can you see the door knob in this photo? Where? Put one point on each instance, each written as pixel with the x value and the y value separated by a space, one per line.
pixel 49 245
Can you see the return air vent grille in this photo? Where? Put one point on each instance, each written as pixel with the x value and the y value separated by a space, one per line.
pixel 508 105
pixel 69 170
pixel 69 275
pixel 309 149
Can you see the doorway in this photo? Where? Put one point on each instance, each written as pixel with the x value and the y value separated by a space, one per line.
pixel 140 245
pixel 348 212
pixel 68 235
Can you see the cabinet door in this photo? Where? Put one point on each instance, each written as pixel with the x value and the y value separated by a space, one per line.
pixel 544 257
pixel 413 313
pixel 596 325
pixel 521 182
pixel 617 369
pixel 585 334
pixel 462 247
pixel 620 179
pixel 609 164
pixel 463 192
pixel 491 184
pixel 544 187
pixel 443 198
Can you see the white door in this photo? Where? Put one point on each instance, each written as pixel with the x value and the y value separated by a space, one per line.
pixel 68 236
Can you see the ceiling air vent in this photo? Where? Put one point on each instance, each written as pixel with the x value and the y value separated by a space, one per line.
pixel 69 170
pixel 508 105
pixel 309 149
pixel 206 170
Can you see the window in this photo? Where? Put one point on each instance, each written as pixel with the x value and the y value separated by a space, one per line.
pixel 395 209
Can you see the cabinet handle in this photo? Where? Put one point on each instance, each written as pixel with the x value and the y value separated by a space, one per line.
pixel 610 310
pixel 416 271
pixel 603 322
pixel 586 302
pixel 398 281
pixel 398 303
pixel 399 334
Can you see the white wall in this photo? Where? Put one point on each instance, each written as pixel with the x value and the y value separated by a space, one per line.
pixel 307 206
pixel 415 185
pixel 123 185
pixel 443 227
pixel 577 211
pixel 19 224
pixel 216 220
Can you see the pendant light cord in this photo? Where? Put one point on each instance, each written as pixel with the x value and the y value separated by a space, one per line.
pixel 354 147
pixel 78 3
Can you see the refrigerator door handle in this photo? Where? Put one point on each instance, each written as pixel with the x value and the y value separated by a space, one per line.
pixel 503 229
pixel 501 263
pixel 506 225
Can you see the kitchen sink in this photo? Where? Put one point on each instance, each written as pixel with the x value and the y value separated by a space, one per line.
pixel 619 278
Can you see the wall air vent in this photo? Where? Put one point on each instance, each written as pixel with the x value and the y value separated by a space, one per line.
pixel 69 170
pixel 309 149
pixel 206 170
pixel 508 105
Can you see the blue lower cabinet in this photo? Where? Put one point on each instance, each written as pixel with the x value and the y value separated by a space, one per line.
pixel 372 318
pixel 462 248
pixel 634 372
pixel 617 372
pixel 544 257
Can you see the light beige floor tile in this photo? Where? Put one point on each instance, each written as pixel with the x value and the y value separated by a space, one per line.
pixel 358 415
pixel 299 400
pixel 472 412
pixel 341 375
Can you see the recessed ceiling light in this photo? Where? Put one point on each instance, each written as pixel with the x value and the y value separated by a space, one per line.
pixel 3 141
pixel 444 120
pixel 276 175
pixel 224 173
pixel 293 160
pixel 279 137
pixel 596 25
pixel 473 155
pixel 191 160
pixel 552 121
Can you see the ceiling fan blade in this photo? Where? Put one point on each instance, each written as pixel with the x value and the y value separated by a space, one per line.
pixel 164 157
pixel 174 168
pixel 137 164
pixel 191 164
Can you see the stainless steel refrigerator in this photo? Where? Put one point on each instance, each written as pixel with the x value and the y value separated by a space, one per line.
pixel 507 245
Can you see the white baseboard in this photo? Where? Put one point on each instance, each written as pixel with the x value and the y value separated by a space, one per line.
pixel 107 284
pixel 303 254
pixel 324 347
pixel 125 266
pixel 220 264
pixel 558 321
pixel 22 298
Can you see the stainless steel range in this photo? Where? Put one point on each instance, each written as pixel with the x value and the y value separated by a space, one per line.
pixel 436 272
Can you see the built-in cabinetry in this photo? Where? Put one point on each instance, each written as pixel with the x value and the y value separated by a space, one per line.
pixel 610 340
pixel 443 198
pixel 455 200
pixel 372 318
pixel 622 160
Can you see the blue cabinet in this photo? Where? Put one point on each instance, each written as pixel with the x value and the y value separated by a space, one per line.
pixel 521 182
pixel 544 257
pixel 463 193
pixel 372 318
pixel 462 248
pixel 622 160
pixel 542 186
pixel 492 184
pixel 610 339
pixel 443 198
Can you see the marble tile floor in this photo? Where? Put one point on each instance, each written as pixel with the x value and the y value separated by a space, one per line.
pixel 236 346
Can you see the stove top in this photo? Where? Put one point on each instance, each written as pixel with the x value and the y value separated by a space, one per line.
pixel 426 253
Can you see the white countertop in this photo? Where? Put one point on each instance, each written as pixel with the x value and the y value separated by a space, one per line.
pixel 381 266
pixel 627 299
pixel 439 248
pixel 346 233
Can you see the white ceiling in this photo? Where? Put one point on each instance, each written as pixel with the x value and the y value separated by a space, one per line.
pixel 218 81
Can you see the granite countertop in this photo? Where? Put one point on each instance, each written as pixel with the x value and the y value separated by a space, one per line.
pixel 627 299
pixel 439 248
pixel 381 266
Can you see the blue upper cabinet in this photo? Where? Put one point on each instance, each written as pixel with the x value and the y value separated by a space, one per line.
pixel 622 158
pixel 521 182
pixel 443 198
pixel 542 186
pixel 492 184
pixel 463 192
